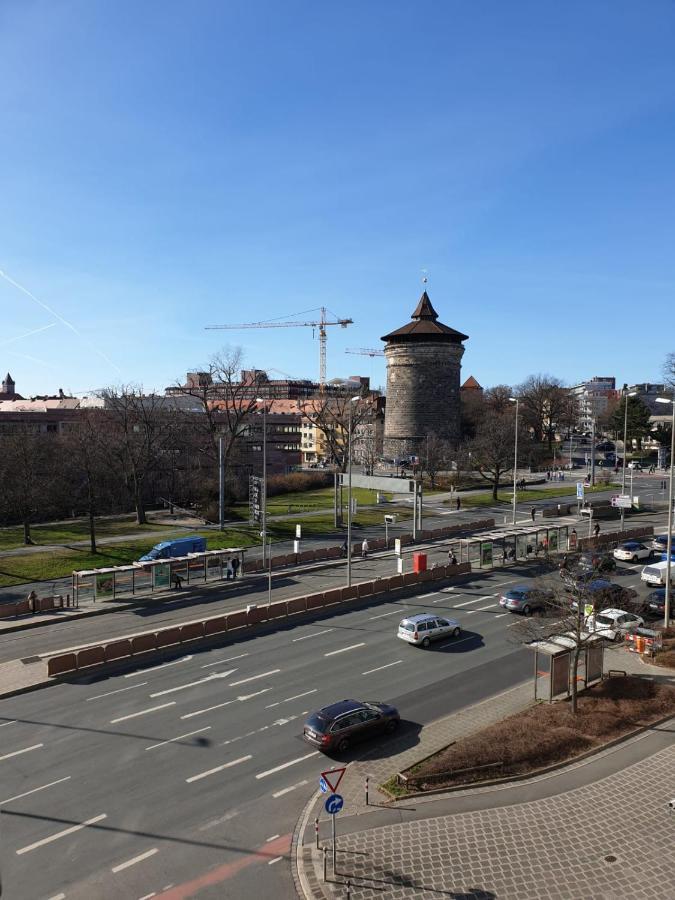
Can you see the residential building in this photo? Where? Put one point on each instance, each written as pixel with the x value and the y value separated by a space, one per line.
pixel 595 397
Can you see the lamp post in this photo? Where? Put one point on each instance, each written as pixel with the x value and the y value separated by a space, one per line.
pixel 349 492
pixel 626 395
pixel 515 459
pixel 669 544
pixel 263 531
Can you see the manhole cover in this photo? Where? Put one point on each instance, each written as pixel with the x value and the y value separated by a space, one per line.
pixel 610 858
pixel 31 659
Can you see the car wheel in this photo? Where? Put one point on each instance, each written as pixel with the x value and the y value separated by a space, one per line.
pixel 425 643
pixel 391 726
pixel 618 637
pixel 456 632
pixel 343 746
pixel 526 610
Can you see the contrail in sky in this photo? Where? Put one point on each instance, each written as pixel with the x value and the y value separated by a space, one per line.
pixel 20 337
pixel 63 321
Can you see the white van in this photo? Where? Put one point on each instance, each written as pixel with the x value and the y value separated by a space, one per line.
pixel 656 573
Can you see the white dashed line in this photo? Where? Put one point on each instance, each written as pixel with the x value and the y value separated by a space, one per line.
pixel 285 765
pixel 183 687
pixel 275 860
pixel 143 712
pixel 179 738
pixel 118 691
pixel 379 668
pixel 470 602
pixel 157 668
pixel 136 859
pixel 454 643
pixel 19 752
pixel 254 677
pixel 228 765
pixel 345 649
pixel 35 790
pixel 60 834
pixel 220 662
pixel 287 790
pixel 12 722
pixel 382 615
pixel 313 634
pixel 273 838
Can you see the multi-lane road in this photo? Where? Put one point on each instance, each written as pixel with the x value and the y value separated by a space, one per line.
pixel 187 777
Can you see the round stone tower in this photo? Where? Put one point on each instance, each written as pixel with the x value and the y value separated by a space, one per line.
pixel 423 368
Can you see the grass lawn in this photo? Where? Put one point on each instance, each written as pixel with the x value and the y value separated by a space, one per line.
pixel 11 538
pixel 544 734
pixel 486 499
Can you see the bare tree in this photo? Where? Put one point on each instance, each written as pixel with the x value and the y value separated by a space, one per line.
pixel 436 455
pixel 332 414
pixel 546 406
pixel 669 370
pixel 565 614
pixel 492 450
pixel 27 470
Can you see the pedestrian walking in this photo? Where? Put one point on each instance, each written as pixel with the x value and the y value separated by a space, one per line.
pixel 365 548
pixel 343 549
pixel 235 566
pixel 453 558
pixel 177 581
pixel 228 570
pixel 596 530
pixel 533 513
pixel 33 602
pixel 459 504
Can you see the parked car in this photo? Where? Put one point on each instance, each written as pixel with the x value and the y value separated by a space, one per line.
pixel 656 573
pixel 636 465
pixel 524 599
pixel 338 726
pixel 633 550
pixel 659 543
pixel 592 561
pixel 613 623
pixel 422 629
pixel 599 591
pixel 655 605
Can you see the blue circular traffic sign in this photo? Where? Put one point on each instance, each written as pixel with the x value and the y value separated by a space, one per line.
pixel 334 804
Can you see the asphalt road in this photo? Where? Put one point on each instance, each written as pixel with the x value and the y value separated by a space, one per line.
pixel 189 776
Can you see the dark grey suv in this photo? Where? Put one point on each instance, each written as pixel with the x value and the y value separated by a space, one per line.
pixel 338 726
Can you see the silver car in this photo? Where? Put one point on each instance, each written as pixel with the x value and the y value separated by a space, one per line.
pixel 421 630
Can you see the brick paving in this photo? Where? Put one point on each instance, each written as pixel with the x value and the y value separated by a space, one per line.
pixel 554 847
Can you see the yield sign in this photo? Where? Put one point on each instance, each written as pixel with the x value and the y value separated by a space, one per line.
pixel 333 777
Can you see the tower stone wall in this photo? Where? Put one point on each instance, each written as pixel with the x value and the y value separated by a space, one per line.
pixel 423 383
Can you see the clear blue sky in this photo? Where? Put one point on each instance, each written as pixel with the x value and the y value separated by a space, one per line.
pixel 168 165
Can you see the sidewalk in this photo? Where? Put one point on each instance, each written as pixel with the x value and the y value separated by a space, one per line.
pixel 517 841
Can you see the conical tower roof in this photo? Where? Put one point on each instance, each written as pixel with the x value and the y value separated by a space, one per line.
pixel 425 327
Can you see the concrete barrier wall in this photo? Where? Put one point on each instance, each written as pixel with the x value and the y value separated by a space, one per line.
pixel 168 637
pixel 60 665
pixel 334 595
pixel 349 593
pixel 143 643
pixel 117 650
pixel 365 589
pixel 236 619
pixel 215 626
pixel 191 632
pixel 315 601
pixel 296 605
pixel 607 538
pixel 91 656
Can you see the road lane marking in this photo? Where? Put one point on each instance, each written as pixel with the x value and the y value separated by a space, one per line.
pixel 136 859
pixel 297 696
pixel 314 634
pixel 143 712
pixel 482 608
pixel 63 897
pixel 254 677
pixel 392 613
pixel 11 722
pixel 424 596
pixel 379 668
pixel 227 765
pixel 470 602
pixel 454 643
pixel 344 649
pixel 157 668
pixel 275 860
pixel 219 821
pixel 241 699
pixel 220 661
pixel 183 687
pixel 448 590
pixel 148 896
pixel 285 765
pixel 501 615
pixel 35 790
pixel 273 838
pixel 179 738
pixel 60 834
pixel 118 691
pixel 19 752
pixel 287 790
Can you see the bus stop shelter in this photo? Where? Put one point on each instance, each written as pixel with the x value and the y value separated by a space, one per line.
pixel 553 661
pixel 503 548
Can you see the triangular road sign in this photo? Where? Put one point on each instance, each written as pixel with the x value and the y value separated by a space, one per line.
pixel 333 777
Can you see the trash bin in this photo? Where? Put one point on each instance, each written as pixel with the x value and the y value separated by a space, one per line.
pixel 419 562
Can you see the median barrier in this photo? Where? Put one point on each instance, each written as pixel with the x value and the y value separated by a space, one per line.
pixel 90 656
pixel 426 535
pixel 306 556
pixel 426 575
pixel 395 581
pixel 277 610
pixel 296 605
pixel 216 625
pixel 60 665
pixel 334 595
pixel 333 553
pixel 191 632
pixel 255 614
pixel 117 650
pixel 365 589
pixel 236 619
pixel 168 637
pixel 379 544
pixel 314 601
pixel 349 593
pixel 410 578
pixel 143 643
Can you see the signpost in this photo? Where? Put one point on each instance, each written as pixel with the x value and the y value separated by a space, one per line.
pixel 323 787
pixel 622 501
pixel 580 495
pixel 334 803
pixel 255 499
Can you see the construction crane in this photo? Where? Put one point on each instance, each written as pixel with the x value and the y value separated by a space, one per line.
pixel 322 324
pixel 365 351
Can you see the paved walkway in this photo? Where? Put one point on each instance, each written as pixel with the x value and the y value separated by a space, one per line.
pixel 599 828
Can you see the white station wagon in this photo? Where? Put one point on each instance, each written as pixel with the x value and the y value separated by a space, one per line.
pixel 422 629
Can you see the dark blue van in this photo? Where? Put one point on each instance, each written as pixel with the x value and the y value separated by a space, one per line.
pixel 177 547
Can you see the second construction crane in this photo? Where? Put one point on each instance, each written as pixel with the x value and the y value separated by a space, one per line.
pixel 321 324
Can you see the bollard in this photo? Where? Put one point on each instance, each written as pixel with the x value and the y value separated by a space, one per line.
pixel 316 832
pixel 325 863
pixel 349 889
pixel 367 780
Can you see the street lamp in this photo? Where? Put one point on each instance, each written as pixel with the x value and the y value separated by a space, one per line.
pixel 515 459
pixel 349 492
pixel 669 544
pixel 263 532
pixel 625 438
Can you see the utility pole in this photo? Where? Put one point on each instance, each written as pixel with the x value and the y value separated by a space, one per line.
pixel 592 479
pixel 263 531
pixel 625 438
pixel 221 484
pixel 669 543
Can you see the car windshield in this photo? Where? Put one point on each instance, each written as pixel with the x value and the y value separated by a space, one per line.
pixel 407 626
pixel 516 595
pixel 604 620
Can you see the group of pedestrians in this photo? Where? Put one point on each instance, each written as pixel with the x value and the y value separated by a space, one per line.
pixel 555 475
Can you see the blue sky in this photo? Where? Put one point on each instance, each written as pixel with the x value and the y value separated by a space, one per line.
pixel 170 165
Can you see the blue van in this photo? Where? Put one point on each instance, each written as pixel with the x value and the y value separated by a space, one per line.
pixel 177 547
